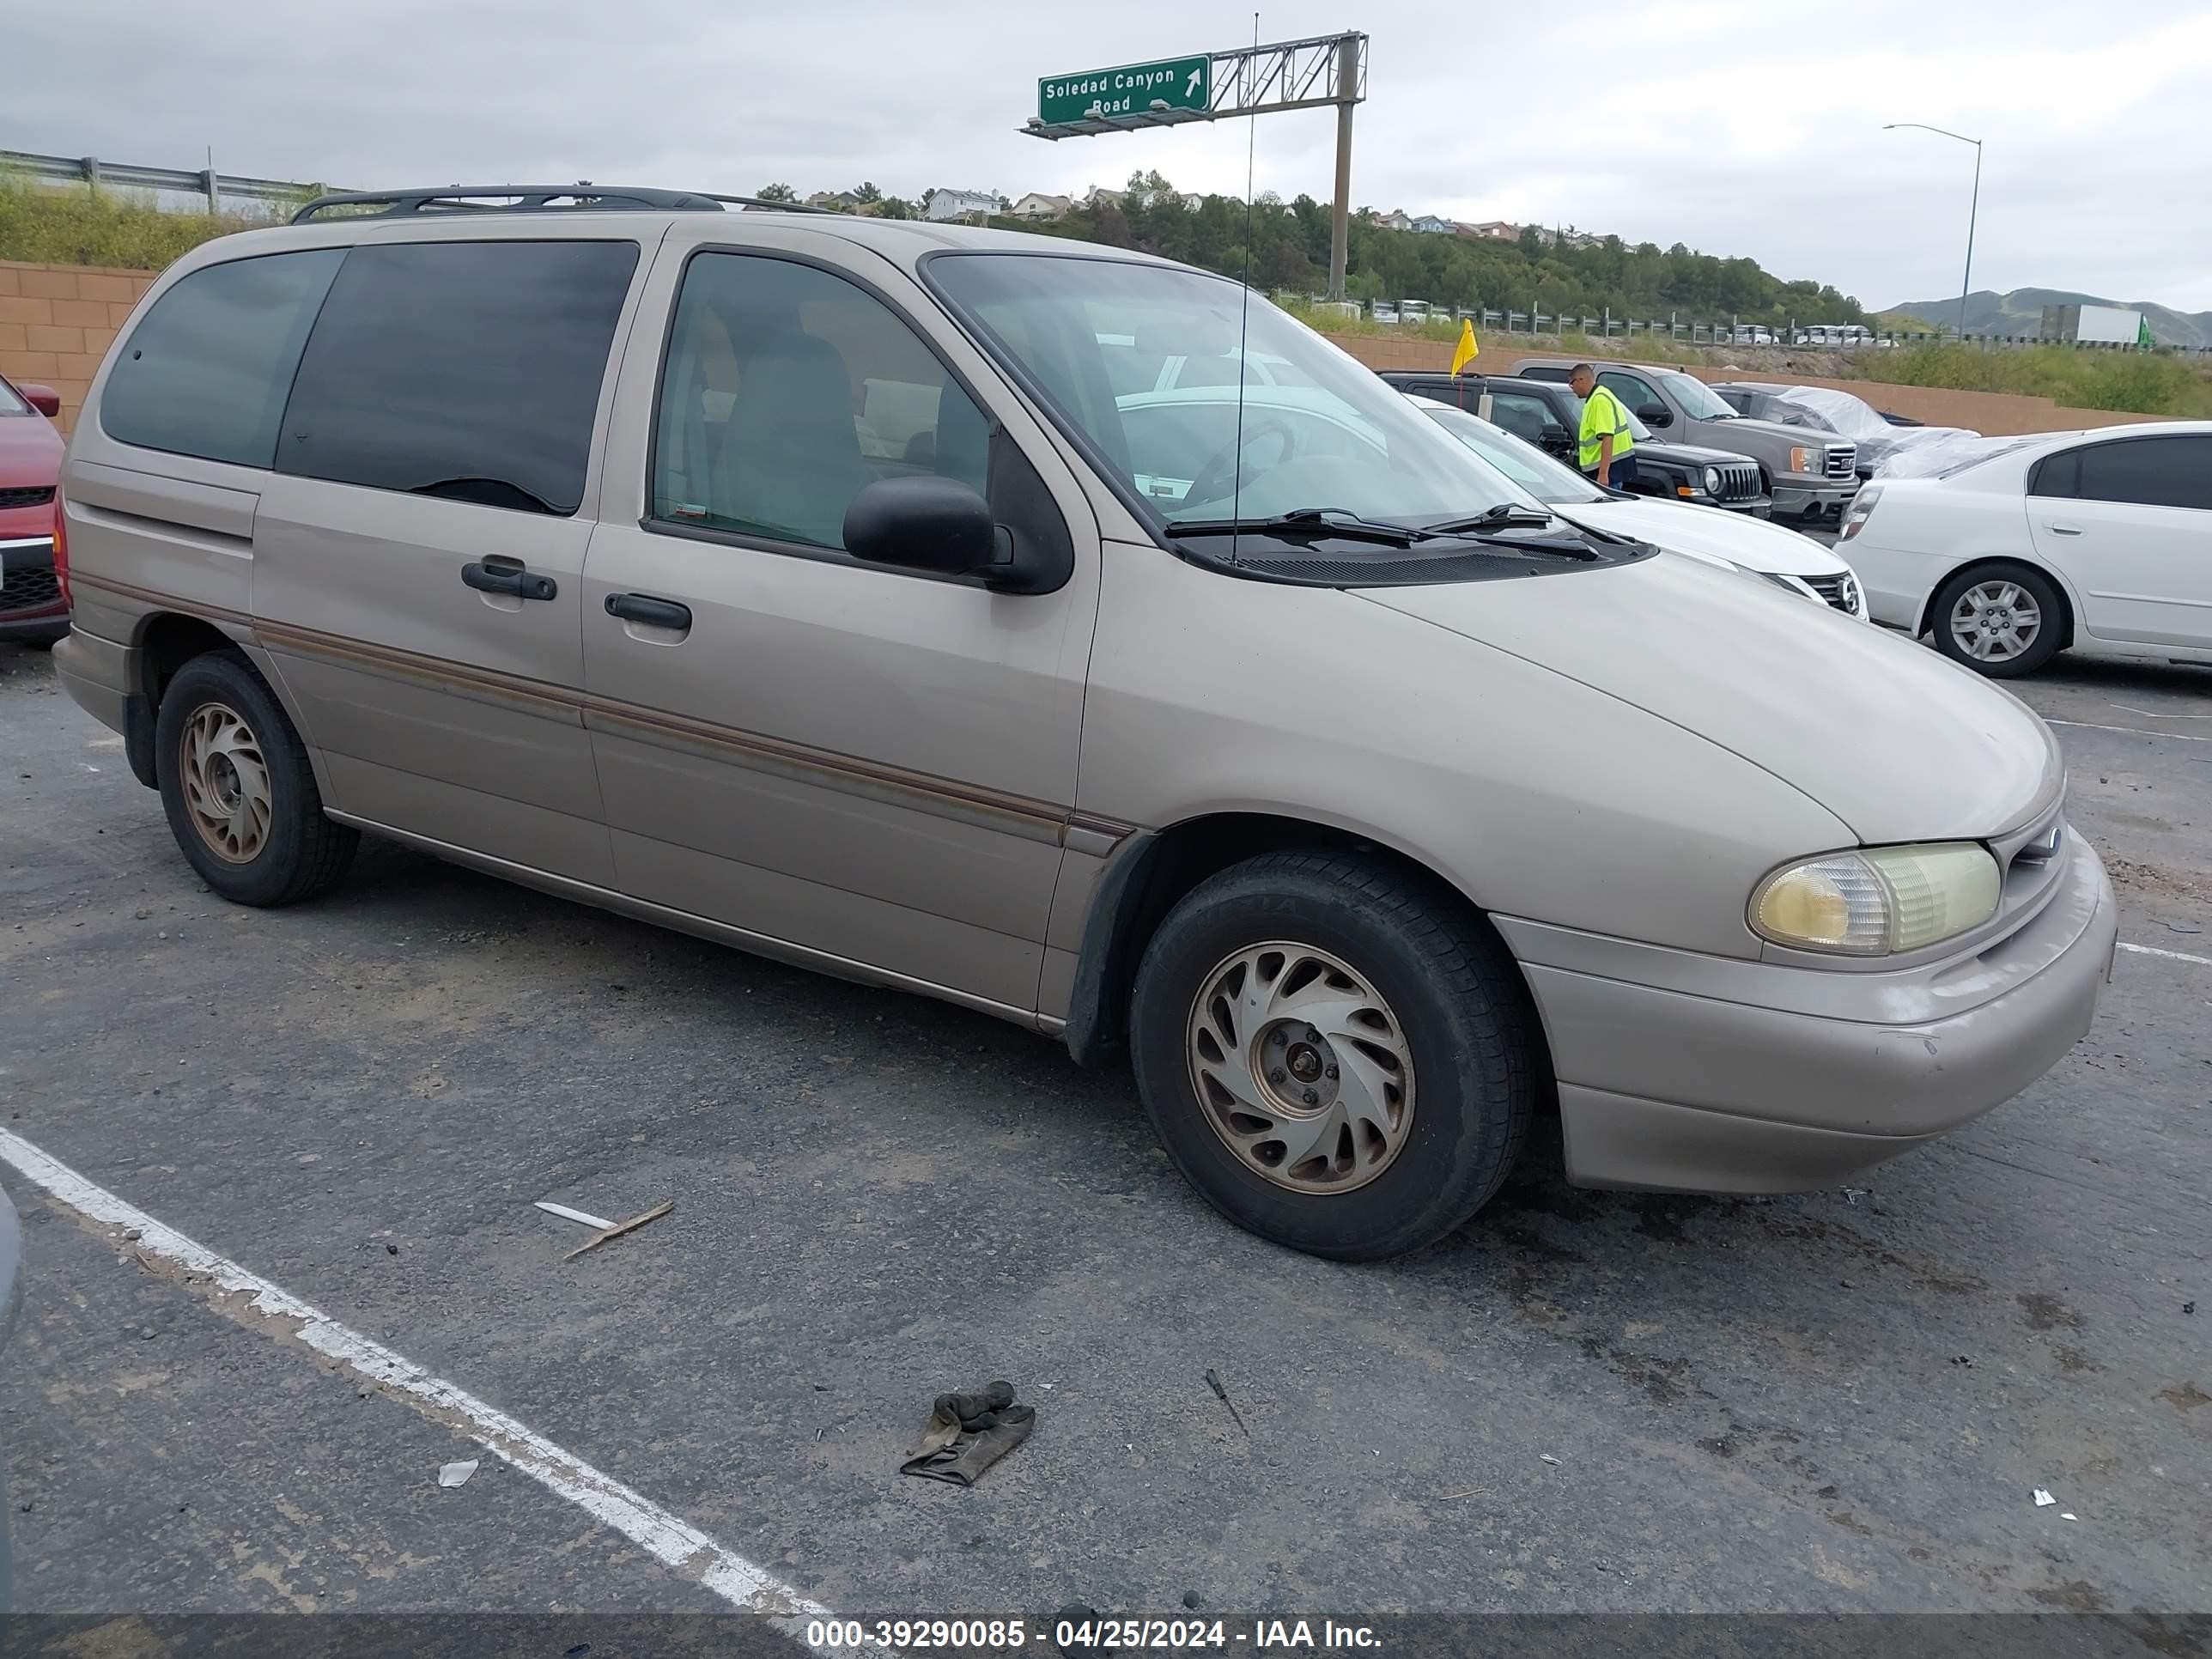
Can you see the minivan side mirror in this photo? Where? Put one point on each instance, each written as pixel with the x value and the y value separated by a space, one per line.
pixel 44 398
pixel 1655 415
pixel 936 524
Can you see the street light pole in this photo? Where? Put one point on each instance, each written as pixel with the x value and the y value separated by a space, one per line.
pixel 1973 209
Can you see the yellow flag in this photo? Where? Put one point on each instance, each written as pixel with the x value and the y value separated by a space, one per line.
pixel 1465 352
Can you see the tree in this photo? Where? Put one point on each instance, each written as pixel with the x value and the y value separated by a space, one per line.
pixel 778 193
pixel 895 206
pixel 867 193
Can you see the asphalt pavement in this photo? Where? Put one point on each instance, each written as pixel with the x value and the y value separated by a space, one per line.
pixel 1841 1401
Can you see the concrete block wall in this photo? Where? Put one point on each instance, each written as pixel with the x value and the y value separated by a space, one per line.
pixel 57 321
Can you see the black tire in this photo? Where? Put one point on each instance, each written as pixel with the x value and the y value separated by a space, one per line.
pixel 2040 650
pixel 301 851
pixel 1466 1022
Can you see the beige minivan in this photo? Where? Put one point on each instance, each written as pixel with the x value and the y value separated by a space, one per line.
pixel 861 593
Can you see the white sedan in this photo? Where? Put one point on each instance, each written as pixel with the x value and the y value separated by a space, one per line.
pixel 2099 538
pixel 1783 556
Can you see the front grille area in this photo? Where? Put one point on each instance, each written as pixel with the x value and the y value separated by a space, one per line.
pixel 29 590
pixel 28 495
pixel 1842 460
pixel 1840 590
pixel 1740 481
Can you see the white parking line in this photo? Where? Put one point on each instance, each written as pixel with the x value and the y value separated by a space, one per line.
pixel 2171 956
pixel 2132 731
pixel 666 1537
pixel 2156 713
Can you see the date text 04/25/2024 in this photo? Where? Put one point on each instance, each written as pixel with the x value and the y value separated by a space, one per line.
pixel 1091 1635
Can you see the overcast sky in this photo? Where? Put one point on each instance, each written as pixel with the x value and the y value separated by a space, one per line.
pixel 1660 123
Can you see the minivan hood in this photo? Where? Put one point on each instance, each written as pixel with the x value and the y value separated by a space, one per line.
pixel 1708 532
pixel 1899 743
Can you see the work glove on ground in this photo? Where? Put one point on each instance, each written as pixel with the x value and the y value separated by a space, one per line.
pixel 968 1433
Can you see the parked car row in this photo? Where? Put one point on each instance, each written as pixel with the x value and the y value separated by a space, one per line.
pixel 1734 541
pixel 1829 408
pixel 1810 475
pixel 1548 414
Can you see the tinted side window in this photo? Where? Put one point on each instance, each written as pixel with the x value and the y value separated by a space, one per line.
pixel 2153 471
pixel 469 370
pixel 1522 417
pixel 787 390
pixel 207 370
pixel 1633 390
pixel 2058 475
pixel 1544 373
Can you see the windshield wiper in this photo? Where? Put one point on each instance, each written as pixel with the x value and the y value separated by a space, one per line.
pixel 1311 521
pixel 1495 518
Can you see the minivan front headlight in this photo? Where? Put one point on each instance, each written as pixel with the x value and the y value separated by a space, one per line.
pixel 1879 900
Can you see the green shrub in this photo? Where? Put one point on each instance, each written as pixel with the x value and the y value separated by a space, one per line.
pixel 78 225
pixel 2137 382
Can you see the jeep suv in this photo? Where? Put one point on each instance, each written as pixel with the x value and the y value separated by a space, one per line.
pixel 803 582
pixel 1811 476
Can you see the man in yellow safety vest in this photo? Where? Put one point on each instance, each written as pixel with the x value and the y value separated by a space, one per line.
pixel 1607 441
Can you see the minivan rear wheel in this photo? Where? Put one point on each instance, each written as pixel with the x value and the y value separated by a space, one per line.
pixel 239 791
pixel 1335 1053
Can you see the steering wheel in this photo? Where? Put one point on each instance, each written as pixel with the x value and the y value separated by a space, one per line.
pixel 1218 478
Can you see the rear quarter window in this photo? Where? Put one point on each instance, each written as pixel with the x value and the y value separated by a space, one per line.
pixel 2160 471
pixel 207 369
pixel 469 370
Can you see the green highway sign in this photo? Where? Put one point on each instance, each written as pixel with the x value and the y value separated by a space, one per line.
pixel 1180 83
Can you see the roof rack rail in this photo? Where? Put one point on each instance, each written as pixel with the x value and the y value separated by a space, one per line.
pixel 581 197
pixel 775 207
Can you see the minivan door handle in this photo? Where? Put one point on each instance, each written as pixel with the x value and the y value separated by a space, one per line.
pixel 501 574
pixel 644 608
pixel 2063 529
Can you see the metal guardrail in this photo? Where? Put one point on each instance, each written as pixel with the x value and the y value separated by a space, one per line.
pixel 1542 323
pixel 206 183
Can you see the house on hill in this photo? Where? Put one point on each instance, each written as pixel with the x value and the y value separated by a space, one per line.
pixel 945 205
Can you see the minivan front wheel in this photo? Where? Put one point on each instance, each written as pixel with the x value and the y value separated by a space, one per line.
pixel 238 789
pixel 1334 1052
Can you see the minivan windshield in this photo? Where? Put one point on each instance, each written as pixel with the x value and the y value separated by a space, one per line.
pixel 1526 464
pixel 1315 431
pixel 1699 401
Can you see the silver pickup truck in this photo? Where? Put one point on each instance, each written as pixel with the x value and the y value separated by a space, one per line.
pixel 1811 476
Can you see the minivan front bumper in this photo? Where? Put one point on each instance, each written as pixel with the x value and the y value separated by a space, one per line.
pixel 1686 1073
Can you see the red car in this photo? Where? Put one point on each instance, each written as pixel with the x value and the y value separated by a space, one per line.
pixel 33 610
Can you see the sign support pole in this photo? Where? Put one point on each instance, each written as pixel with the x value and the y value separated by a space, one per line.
pixel 1339 224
